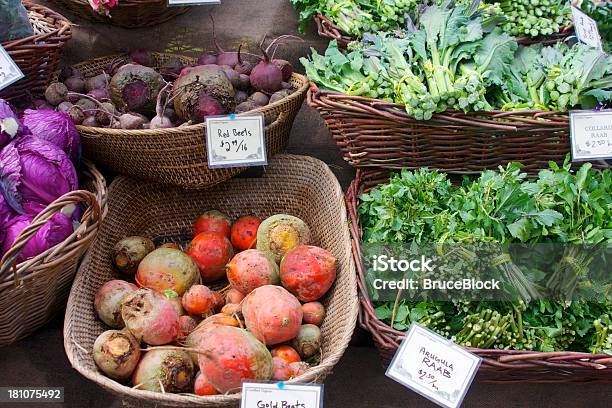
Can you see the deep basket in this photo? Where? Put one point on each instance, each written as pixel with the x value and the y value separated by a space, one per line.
pixel 505 366
pixel 178 156
pixel 128 13
pixel 32 292
pixel 297 185
pixel 327 29
pixel 37 56
pixel 375 133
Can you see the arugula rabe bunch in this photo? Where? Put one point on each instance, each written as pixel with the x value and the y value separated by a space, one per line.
pixel 534 17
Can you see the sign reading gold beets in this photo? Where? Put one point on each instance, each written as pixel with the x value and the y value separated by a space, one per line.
pixel 487 272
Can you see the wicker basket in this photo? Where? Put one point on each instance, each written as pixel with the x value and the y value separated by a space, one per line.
pixel 32 292
pixel 327 29
pixel 178 156
pixel 297 185
pixel 37 56
pixel 374 133
pixel 497 365
pixel 128 13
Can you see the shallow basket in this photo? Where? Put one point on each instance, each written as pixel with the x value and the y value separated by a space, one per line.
pixel 128 13
pixel 32 292
pixel 327 29
pixel 296 185
pixel 374 133
pixel 178 156
pixel 37 56
pixel 497 365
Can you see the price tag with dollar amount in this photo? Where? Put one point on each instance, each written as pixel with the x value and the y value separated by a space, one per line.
pixel 586 29
pixel 281 395
pixel 9 71
pixel 236 141
pixel 591 135
pixel 177 3
pixel 434 367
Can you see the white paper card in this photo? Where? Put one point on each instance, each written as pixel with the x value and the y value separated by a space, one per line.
pixel 193 2
pixel 9 71
pixel 434 367
pixel 591 135
pixel 236 141
pixel 281 395
pixel 586 29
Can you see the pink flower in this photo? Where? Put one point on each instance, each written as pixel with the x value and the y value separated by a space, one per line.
pixel 103 6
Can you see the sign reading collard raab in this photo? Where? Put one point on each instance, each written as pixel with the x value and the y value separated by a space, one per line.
pixel 434 367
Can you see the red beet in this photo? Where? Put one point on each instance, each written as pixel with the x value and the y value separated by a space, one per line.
pixel 136 95
pixel 266 76
pixel 100 94
pixel 207 59
pixel 69 72
pixel 285 67
pixel 75 84
pixel 108 299
pixel 207 106
pixel 243 67
pixel 223 58
pixel 141 56
pixel 150 317
pixel 286 353
pixel 116 353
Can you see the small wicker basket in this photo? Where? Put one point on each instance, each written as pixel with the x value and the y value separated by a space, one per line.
pixel 32 292
pixel 297 185
pixel 375 133
pixel 178 156
pixel 327 29
pixel 38 56
pixel 128 13
pixel 506 366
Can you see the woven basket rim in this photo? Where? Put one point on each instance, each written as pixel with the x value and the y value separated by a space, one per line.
pixel 100 193
pixel 65 28
pixel 303 80
pixel 494 360
pixel 311 375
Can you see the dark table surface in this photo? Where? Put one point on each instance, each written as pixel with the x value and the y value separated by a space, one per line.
pixel 358 380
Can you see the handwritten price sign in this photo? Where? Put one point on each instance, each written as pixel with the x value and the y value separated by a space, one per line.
pixel 586 29
pixel 434 367
pixel 236 141
pixel 591 135
pixel 9 71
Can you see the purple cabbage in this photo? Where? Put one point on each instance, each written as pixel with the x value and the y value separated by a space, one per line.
pixel 10 127
pixel 55 231
pixel 55 127
pixel 34 170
